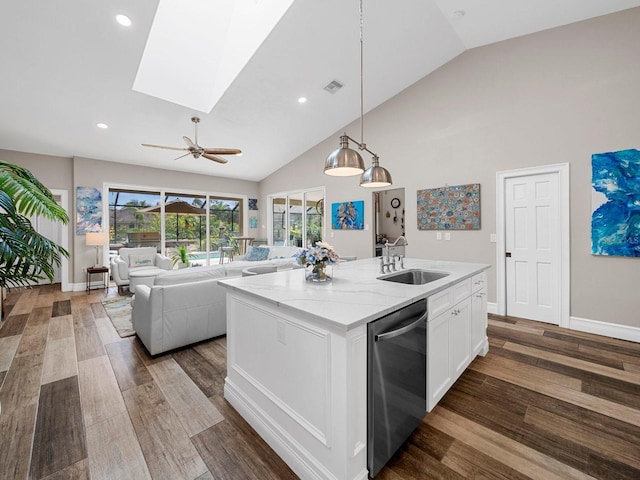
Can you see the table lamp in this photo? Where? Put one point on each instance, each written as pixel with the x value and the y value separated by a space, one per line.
pixel 97 239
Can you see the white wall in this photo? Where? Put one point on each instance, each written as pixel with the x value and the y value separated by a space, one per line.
pixel 552 97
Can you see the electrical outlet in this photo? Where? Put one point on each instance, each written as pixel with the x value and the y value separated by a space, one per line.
pixel 447 235
pixel 438 235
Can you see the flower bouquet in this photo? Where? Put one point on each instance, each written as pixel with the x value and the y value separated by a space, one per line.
pixel 315 259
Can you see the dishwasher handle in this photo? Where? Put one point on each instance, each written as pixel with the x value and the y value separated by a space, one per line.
pixel 402 330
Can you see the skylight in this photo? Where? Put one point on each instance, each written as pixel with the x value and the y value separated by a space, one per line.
pixel 196 49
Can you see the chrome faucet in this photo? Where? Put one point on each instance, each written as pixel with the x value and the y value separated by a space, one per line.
pixel 391 262
pixel 401 237
pixel 386 264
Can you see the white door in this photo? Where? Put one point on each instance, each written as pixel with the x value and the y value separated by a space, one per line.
pixel 53 231
pixel 532 245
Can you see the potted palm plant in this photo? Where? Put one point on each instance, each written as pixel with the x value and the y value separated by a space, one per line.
pixel 182 257
pixel 26 256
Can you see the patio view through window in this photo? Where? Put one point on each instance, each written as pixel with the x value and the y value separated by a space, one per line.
pixel 135 221
pixel 297 218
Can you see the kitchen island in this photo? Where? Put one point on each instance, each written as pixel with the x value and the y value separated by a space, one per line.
pixel 297 354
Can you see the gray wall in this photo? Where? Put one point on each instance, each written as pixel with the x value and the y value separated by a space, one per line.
pixel 552 97
pixel 67 174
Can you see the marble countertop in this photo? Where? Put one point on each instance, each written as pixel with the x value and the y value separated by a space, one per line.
pixel 355 296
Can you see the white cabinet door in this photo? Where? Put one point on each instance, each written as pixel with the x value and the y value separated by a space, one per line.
pixel 460 336
pixel 478 321
pixel 438 358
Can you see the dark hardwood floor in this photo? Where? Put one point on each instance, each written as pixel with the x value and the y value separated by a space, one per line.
pixel 80 402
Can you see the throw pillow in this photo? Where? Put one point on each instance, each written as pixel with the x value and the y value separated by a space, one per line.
pixel 141 260
pixel 255 254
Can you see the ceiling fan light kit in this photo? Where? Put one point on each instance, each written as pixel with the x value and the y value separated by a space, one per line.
pixel 196 151
pixel 345 161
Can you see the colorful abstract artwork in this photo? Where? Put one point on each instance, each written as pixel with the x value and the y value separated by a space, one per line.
pixel 449 208
pixel 253 204
pixel 615 218
pixel 88 210
pixel 347 215
pixel 253 222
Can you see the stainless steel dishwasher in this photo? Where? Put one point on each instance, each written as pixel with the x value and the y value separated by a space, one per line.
pixel 397 381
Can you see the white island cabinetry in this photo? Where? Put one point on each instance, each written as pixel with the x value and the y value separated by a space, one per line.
pixel 297 355
pixel 456 333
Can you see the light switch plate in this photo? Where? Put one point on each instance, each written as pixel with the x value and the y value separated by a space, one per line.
pixel 493 238
pixel 447 235
pixel 438 235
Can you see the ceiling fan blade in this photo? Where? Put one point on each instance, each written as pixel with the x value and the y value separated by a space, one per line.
pixel 182 156
pixel 188 141
pixel 223 151
pixel 162 146
pixel 214 158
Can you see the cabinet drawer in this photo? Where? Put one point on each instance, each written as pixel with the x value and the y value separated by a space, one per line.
pixel 461 290
pixel 440 302
pixel 478 281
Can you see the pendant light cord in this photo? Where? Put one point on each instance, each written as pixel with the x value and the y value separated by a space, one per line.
pixel 362 144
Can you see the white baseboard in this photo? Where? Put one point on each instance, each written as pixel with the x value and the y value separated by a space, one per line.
pixel 81 287
pixel 492 308
pixel 614 330
pixel 606 329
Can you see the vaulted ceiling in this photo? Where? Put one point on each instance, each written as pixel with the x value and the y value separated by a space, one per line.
pixel 67 65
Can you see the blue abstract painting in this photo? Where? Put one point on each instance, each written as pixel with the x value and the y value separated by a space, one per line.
pixel 347 215
pixel 88 210
pixel 615 221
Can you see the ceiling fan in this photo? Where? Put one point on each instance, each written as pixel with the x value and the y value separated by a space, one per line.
pixel 197 151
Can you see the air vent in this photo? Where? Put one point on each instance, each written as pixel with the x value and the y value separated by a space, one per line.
pixel 333 87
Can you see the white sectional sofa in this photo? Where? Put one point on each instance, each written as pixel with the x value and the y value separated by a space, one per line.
pixel 186 306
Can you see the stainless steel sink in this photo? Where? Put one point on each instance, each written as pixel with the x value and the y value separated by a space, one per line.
pixel 414 276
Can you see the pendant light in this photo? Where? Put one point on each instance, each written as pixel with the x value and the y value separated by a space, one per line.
pixel 345 161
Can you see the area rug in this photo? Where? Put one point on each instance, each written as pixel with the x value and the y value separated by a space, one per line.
pixel 119 311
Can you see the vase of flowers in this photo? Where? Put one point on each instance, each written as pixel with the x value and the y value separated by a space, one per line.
pixel 316 259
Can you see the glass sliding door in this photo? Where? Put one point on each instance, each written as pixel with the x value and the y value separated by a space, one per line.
pixel 136 219
pixel 225 221
pixel 297 218
pixel 314 214
pixel 279 227
pixel 130 222
pixel 185 223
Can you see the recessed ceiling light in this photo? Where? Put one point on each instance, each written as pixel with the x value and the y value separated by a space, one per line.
pixel 123 20
pixel 302 100
pixel 102 125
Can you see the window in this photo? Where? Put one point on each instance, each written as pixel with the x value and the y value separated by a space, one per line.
pixel 128 218
pixel 297 218
pixel 194 221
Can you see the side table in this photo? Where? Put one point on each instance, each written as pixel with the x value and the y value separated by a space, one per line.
pixel 104 271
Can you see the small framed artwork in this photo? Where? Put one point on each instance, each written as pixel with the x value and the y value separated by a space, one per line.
pixel 449 208
pixel 347 215
pixel 253 204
